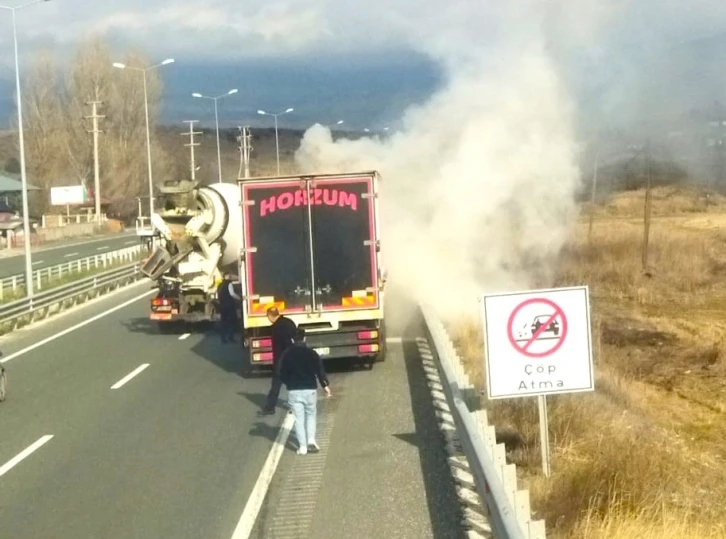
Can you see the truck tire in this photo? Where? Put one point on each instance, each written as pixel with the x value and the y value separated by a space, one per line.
pixel 381 356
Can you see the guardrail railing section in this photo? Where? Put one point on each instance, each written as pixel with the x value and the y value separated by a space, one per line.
pixel 487 486
pixel 25 311
pixel 45 276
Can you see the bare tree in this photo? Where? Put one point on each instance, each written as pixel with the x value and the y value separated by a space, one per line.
pixel 44 129
pixel 62 148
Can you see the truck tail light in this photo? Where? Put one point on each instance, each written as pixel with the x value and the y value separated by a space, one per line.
pixel 364 335
pixel 263 356
pixel 160 301
pixel 363 348
pixel 261 343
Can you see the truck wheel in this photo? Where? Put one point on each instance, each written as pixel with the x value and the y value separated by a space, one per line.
pixel 384 347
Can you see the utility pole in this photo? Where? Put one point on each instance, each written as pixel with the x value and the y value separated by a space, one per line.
pixel 593 196
pixel 647 206
pixel 245 147
pixel 191 144
pixel 97 182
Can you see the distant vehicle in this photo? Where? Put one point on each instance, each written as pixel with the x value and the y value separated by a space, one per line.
pixel 540 320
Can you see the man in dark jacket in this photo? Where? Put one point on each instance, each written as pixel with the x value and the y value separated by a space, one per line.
pixel 301 369
pixel 283 332
pixel 226 297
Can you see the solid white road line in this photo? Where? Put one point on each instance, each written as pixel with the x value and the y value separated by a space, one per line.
pixel 38 262
pixel 130 242
pixel 129 376
pixel 70 255
pixel 102 248
pixel 254 502
pixel 77 326
pixel 24 454
pixel 185 336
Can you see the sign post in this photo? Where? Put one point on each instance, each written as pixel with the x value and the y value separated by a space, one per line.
pixel 544 434
pixel 538 343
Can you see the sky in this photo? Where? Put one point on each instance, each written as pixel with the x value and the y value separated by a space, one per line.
pixel 366 61
pixel 490 104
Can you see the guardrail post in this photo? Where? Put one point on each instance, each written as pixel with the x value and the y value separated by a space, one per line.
pixel 37 280
pixel 15 283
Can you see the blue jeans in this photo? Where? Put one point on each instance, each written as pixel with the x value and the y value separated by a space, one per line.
pixel 304 407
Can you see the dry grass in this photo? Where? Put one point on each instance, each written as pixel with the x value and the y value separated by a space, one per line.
pixel 643 455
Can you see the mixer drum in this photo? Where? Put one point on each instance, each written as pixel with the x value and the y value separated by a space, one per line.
pixel 223 199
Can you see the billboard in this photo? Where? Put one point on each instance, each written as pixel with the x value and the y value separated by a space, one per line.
pixel 68 196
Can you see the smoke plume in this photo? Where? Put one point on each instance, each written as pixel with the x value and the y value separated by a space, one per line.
pixel 478 185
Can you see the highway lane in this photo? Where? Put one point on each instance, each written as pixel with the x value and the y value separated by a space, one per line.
pixel 46 256
pixel 178 448
pixel 174 452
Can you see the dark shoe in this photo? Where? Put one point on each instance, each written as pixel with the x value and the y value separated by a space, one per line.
pixel 313 448
pixel 266 411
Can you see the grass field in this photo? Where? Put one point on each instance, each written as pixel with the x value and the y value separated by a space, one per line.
pixel 642 456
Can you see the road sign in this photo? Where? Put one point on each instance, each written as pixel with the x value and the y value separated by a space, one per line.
pixel 537 342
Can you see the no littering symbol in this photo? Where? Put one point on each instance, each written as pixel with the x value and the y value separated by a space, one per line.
pixel 537 327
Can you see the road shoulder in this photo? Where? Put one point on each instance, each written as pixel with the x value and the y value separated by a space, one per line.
pixel 382 471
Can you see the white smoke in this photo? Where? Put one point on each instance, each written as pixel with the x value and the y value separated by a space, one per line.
pixel 478 186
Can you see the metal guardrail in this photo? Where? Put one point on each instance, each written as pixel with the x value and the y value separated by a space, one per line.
pixel 27 310
pixel 42 276
pixel 507 513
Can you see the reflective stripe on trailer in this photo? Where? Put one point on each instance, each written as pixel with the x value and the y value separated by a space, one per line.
pixel 353 301
pixel 261 308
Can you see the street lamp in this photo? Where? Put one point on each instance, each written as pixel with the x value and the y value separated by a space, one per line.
pixel 143 70
pixel 277 140
pixel 216 119
pixel 21 144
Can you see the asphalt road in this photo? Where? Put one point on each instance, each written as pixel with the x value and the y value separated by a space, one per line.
pixel 382 470
pixel 44 256
pixel 169 454
pixel 177 449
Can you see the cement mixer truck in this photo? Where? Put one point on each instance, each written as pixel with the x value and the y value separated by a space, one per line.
pixel 198 228
pixel 308 245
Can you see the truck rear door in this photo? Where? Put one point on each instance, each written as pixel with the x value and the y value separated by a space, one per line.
pixel 344 253
pixel 276 228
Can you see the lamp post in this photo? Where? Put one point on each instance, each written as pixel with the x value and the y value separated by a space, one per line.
pixel 21 144
pixel 216 119
pixel 143 70
pixel 277 140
